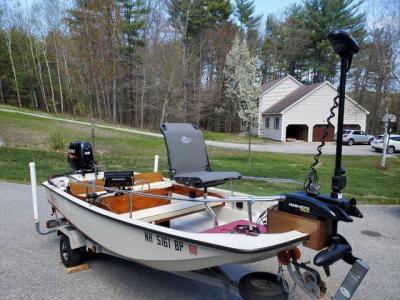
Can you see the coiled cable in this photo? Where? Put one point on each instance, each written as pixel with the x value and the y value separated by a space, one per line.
pixel 311 185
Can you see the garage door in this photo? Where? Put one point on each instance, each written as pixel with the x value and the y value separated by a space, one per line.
pixel 352 126
pixel 318 131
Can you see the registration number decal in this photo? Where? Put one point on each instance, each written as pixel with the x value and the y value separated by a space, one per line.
pixel 166 242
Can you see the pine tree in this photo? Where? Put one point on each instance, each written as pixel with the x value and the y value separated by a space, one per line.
pixel 318 18
pixel 248 23
pixel 134 15
pixel 245 14
pixel 198 15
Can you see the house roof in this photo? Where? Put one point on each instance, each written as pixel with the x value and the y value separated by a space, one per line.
pixel 270 84
pixel 266 86
pixel 292 98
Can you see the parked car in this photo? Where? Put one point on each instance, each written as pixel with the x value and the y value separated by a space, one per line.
pixel 351 137
pixel 393 145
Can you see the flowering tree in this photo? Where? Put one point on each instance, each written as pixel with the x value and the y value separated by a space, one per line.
pixel 242 84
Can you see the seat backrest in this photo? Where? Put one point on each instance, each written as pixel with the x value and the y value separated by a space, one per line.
pixel 186 148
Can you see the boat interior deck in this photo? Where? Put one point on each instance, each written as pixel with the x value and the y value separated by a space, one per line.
pixel 183 215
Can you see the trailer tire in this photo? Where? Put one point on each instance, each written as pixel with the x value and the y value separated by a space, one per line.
pixel 70 257
pixel 262 286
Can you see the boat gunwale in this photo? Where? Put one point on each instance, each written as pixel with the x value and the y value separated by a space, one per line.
pixel 57 190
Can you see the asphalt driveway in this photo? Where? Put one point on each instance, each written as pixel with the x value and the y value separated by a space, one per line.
pixel 299 147
pixel 31 268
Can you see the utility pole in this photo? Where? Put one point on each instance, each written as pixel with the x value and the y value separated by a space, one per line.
pixel 387 119
pixel 93 122
pixel 385 139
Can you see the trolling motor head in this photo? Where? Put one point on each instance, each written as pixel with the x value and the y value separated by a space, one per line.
pixel 343 43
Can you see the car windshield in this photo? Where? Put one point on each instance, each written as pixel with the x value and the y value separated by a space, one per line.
pixel 379 137
pixel 346 131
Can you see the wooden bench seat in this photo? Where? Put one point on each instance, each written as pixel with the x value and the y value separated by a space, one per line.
pixel 171 211
pixel 144 187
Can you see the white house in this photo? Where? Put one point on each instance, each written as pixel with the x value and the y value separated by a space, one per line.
pixel 289 109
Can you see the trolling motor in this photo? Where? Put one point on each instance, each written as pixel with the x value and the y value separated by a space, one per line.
pixel 331 207
pixel 345 46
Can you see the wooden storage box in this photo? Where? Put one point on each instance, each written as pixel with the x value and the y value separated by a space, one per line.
pixel 318 230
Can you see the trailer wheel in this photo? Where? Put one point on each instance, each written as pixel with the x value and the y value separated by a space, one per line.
pixel 70 257
pixel 262 286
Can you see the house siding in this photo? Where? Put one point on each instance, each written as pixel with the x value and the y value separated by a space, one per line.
pixel 271 132
pixel 314 109
pixel 271 97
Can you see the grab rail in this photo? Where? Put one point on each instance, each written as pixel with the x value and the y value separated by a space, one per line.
pixel 250 201
pixel 212 200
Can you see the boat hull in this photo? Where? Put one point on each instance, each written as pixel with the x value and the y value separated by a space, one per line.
pixel 152 245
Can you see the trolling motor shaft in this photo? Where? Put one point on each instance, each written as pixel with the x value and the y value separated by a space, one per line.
pixel 345 46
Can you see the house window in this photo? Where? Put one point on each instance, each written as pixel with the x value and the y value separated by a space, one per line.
pixel 266 120
pixel 277 123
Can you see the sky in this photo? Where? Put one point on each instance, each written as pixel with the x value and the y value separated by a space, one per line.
pixel 276 7
pixel 265 7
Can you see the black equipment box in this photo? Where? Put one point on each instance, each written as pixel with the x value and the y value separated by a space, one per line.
pixel 118 179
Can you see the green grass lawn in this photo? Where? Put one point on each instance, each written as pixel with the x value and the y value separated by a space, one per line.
pixel 28 137
pixel 208 135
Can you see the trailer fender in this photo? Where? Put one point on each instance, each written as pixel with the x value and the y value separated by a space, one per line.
pixel 76 238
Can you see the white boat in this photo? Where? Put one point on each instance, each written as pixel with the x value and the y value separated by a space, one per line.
pixel 182 246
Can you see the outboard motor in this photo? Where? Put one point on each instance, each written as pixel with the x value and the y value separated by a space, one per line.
pixel 80 157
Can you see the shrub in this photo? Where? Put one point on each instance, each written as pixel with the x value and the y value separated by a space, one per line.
pixel 56 141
